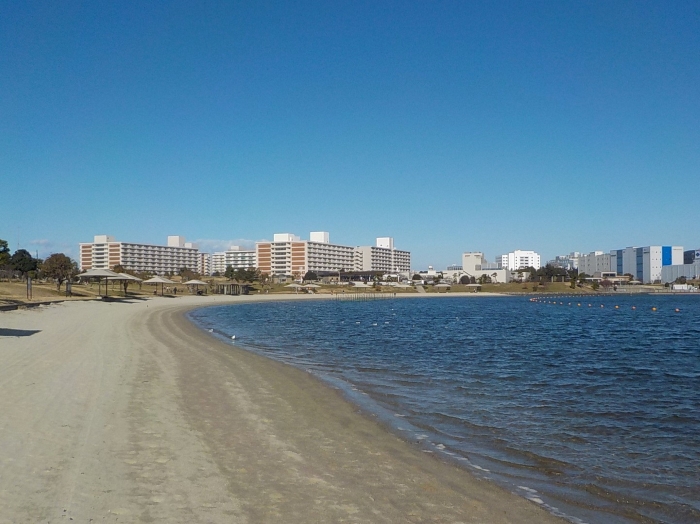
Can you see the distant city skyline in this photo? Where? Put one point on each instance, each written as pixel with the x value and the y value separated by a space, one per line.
pixel 451 126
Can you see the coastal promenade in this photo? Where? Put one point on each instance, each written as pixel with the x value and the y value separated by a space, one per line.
pixel 126 412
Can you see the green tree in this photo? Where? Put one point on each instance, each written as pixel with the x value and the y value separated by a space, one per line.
pixel 484 279
pixel 4 253
pixel 187 274
pixel 573 276
pixel 59 267
pixel 23 262
pixel 416 276
pixel 250 274
pixel 229 272
pixel 464 280
pixel 310 275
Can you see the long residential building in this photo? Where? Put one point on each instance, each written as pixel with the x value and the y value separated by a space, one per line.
pixel 382 257
pixel 104 252
pixel 645 264
pixel 287 254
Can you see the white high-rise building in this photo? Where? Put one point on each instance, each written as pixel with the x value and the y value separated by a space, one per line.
pixel 235 257
pixel 519 259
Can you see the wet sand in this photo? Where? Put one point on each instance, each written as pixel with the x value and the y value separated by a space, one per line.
pixel 126 412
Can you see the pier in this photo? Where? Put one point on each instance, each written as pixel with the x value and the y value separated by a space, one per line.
pixel 363 297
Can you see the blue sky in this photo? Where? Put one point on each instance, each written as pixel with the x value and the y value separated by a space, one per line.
pixel 451 126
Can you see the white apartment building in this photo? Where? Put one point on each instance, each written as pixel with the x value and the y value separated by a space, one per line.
pixel 235 257
pixel 382 257
pixel 104 252
pixel 519 259
pixel 594 264
pixel 287 254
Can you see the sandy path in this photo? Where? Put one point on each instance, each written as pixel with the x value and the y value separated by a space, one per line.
pixel 127 413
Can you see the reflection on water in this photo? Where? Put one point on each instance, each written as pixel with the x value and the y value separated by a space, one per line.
pixel 593 412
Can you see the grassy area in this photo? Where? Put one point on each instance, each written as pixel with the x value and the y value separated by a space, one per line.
pixel 15 292
pixel 534 287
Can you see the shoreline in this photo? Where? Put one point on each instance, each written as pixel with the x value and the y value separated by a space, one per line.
pixel 132 412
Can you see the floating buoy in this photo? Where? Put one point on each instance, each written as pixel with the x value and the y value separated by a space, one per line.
pixel 589 305
pixel 233 337
pixel 617 307
pixel 634 307
pixel 579 304
pixel 653 309
pixel 602 305
pixel 678 310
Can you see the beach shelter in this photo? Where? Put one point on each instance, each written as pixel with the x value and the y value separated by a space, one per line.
pixel 311 286
pixel 99 275
pixel 196 283
pixel 158 280
pixel 124 278
pixel 295 286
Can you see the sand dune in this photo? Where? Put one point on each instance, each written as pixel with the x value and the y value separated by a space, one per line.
pixel 125 412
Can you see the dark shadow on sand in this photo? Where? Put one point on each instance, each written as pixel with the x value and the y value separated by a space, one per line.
pixel 5 332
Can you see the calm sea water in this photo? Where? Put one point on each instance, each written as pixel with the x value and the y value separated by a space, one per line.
pixel 593 412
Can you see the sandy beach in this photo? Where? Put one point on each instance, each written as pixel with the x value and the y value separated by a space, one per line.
pixel 126 412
